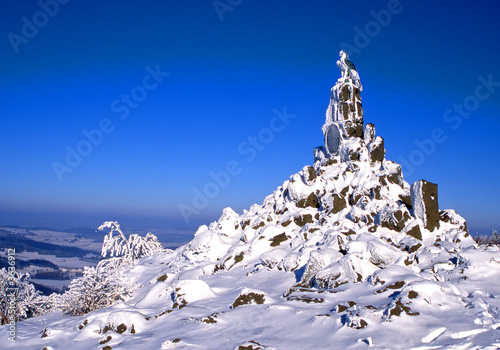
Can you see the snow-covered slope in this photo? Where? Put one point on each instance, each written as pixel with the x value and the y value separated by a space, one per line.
pixel 344 255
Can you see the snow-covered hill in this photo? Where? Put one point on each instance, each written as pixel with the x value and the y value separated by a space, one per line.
pixel 344 255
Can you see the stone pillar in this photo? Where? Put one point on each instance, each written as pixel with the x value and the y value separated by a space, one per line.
pixel 424 199
pixel 376 150
pixel 344 115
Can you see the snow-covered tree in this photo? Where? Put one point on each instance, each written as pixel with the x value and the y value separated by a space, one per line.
pixel 17 297
pixel 116 243
pixel 493 238
pixel 143 246
pixel 113 245
pixel 48 303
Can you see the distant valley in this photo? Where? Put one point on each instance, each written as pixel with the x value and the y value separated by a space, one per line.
pixel 54 257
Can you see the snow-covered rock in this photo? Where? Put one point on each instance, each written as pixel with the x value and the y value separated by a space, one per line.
pixel 345 254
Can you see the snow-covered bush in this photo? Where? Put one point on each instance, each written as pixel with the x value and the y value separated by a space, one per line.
pixel 117 245
pixel 105 284
pixel 99 287
pixel 17 297
pixel 48 303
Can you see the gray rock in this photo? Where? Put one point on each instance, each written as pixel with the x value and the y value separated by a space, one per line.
pixel 406 200
pixel 353 129
pixel 377 150
pixel 395 220
pixel 339 203
pixel 310 201
pixel 415 232
pixel 396 177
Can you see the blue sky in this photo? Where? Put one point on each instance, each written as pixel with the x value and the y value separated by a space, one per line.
pixel 206 81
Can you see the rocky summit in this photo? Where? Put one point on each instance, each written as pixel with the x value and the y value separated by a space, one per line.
pixel 344 255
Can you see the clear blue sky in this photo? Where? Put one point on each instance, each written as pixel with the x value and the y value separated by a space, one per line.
pixel 228 69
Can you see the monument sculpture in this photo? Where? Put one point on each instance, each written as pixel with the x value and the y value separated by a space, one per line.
pixel 346 139
pixel 344 116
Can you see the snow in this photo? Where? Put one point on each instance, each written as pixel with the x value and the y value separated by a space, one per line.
pixel 419 207
pixel 193 290
pixel 433 335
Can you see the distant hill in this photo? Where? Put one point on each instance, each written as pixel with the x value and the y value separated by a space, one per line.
pixel 87 233
pixel 30 245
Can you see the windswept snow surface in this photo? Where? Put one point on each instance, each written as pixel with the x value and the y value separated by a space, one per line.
pixel 311 268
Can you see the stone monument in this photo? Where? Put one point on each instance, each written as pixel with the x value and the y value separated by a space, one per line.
pixel 344 116
pixel 345 140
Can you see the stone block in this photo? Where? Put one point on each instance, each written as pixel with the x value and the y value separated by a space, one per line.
pixel 339 203
pixel 377 150
pixel 353 129
pixel 424 199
